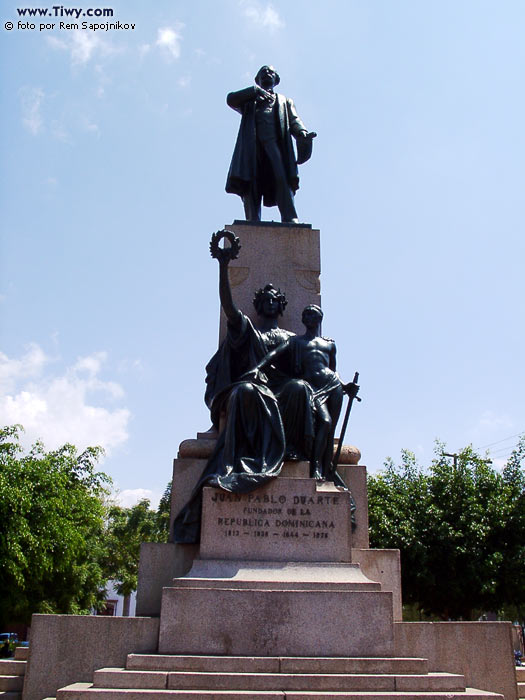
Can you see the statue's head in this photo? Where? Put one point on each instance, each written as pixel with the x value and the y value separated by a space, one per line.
pixel 267 77
pixel 269 301
pixel 312 315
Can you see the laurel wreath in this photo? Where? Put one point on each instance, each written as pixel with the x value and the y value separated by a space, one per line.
pixel 235 244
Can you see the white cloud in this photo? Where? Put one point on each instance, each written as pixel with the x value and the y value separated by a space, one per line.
pixel 491 421
pixel 263 15
pixel 29 365
pixel 168 40
pixel 91 364
pixel 32 99
pixel 130 497
pixel 82 46
pixel 75 406
pixel 184 81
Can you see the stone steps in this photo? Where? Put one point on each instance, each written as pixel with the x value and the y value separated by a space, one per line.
pixel 10 682
pixel 12 673
pixel 12 667
pixel 85 691
pixel 158 676
pixel 181 680
pixel 274 664
pixel 21 653
pixel 520 677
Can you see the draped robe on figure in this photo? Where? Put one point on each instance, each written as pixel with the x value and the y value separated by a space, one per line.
pixel 266 420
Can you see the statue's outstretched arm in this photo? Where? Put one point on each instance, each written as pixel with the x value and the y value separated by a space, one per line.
pixel 233 313
pixel 236 100
pixel 224 255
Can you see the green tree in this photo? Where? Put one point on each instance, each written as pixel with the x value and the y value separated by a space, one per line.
pixel 459 526
pixel 51 537
pixel 511 580
pixel 163 514
pixel 126 529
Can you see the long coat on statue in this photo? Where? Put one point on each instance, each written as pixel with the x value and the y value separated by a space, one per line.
pixel 244 165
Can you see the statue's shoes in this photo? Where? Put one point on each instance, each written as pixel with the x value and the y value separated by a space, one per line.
pixel 318 476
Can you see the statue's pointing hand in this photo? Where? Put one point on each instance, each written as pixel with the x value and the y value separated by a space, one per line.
pixel 263 94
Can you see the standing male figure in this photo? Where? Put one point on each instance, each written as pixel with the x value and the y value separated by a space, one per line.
pixel 263 164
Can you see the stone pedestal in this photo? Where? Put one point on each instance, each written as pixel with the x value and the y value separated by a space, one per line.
pixel 160 563
pixel 274 577
pixel 276 622
pixel 285 255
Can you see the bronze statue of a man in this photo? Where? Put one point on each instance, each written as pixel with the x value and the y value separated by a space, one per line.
pixel 264 166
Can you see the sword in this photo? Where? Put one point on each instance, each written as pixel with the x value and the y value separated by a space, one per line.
pixel 351 398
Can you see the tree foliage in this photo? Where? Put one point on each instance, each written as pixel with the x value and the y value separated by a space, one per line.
pixel 51 537
pixel 460 527
pixel 163 514
pixel 126 529
pixel 60 539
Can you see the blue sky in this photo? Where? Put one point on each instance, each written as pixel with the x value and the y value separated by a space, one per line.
pixel 115 147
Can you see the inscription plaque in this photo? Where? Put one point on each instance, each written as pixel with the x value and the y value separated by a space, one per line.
pixel 286 520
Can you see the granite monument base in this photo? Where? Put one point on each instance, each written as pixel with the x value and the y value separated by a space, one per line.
pixel 275 573
pixel 276 621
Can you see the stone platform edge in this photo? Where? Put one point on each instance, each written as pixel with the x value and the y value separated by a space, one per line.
pixel 160 563
pixel 66 649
